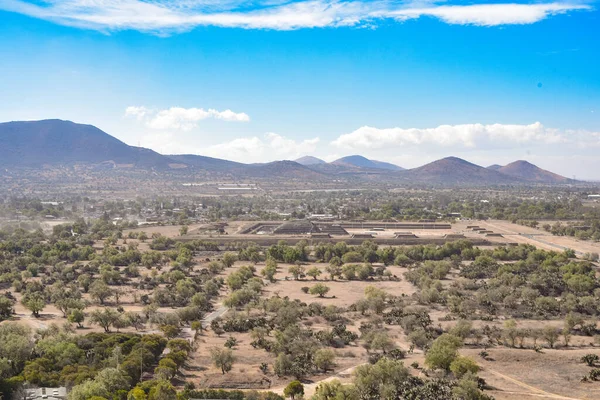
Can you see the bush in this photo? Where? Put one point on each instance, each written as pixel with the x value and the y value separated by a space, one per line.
pixel 590 359
pixel 443 352
pixel 295 388
pixel 462 365
pixel 319 289
pixel 231 342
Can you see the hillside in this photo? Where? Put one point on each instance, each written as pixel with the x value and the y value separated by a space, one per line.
pixel 280 169
pixel 207 163
pixel 455 171
pixel 363 162
pixel 57 142
pixel 309 160
pixel 526 171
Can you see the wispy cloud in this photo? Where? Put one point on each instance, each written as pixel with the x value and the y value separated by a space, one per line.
pixel 464 136
pixel 268 147
pixel 255 149
pixel 167 16
pixel 178 118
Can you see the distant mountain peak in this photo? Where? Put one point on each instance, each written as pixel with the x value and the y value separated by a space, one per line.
pixel 310 160
pixel 363 162
pixel 58 142
pixel 455 171
pixel 527 171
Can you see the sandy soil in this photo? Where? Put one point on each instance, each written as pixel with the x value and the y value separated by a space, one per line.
pixel 524 374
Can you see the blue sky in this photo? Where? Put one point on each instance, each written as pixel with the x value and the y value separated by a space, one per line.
pixel 405 82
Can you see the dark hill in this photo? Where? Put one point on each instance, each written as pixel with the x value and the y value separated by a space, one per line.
pixel 207 163
pixel 528 172
pixel 363 162
pixel 455 171
pixel 286 168
pixel 57 142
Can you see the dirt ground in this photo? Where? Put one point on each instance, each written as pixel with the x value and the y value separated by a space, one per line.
pixel 342 293
pixel 524 374
pixel 539 237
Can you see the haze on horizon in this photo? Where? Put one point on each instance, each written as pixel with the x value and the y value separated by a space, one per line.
pixel 405 83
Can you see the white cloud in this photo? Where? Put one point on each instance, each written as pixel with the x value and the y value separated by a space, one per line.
pixel 256 149
pixel 490 14
pixel 164 16
pixel 138 112
pixel 465 136
pixel 178 118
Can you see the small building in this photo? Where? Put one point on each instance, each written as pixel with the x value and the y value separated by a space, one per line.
pixel 58 393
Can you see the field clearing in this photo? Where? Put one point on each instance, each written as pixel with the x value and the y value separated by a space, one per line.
pixel 342 293
pixel 556 243
pixel 524 374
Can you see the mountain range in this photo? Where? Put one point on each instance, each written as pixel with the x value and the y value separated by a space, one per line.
pixel 48 143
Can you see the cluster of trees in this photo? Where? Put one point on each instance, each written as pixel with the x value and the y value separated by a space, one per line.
pixel 588 229
pixel 95 364
pixel 390 379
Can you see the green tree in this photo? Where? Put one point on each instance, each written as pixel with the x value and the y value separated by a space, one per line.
pixel 324 359
pixel 113 380
pixel 380 380
pixel 467 388
pixel 334 390
pixel 313 272
pixel 104 318
pixel 77 317
pixel 334 269
pixel 6 307
pixel 35 303
pixel 550 335
pixel 319 289
pixel 100 291
pixel 443 352
pixel 229 259
pixel 222 358
pixel 170 330
pixel 87 390
pixel 197 327
pixel 162 390
pixel 270 270
pixel 137 393
pixel 293 389
pixel 296 271
pixel 462 365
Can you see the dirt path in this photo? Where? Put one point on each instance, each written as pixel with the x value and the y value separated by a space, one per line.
pixel 536 391
pixel 311 388
pixel 214 315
